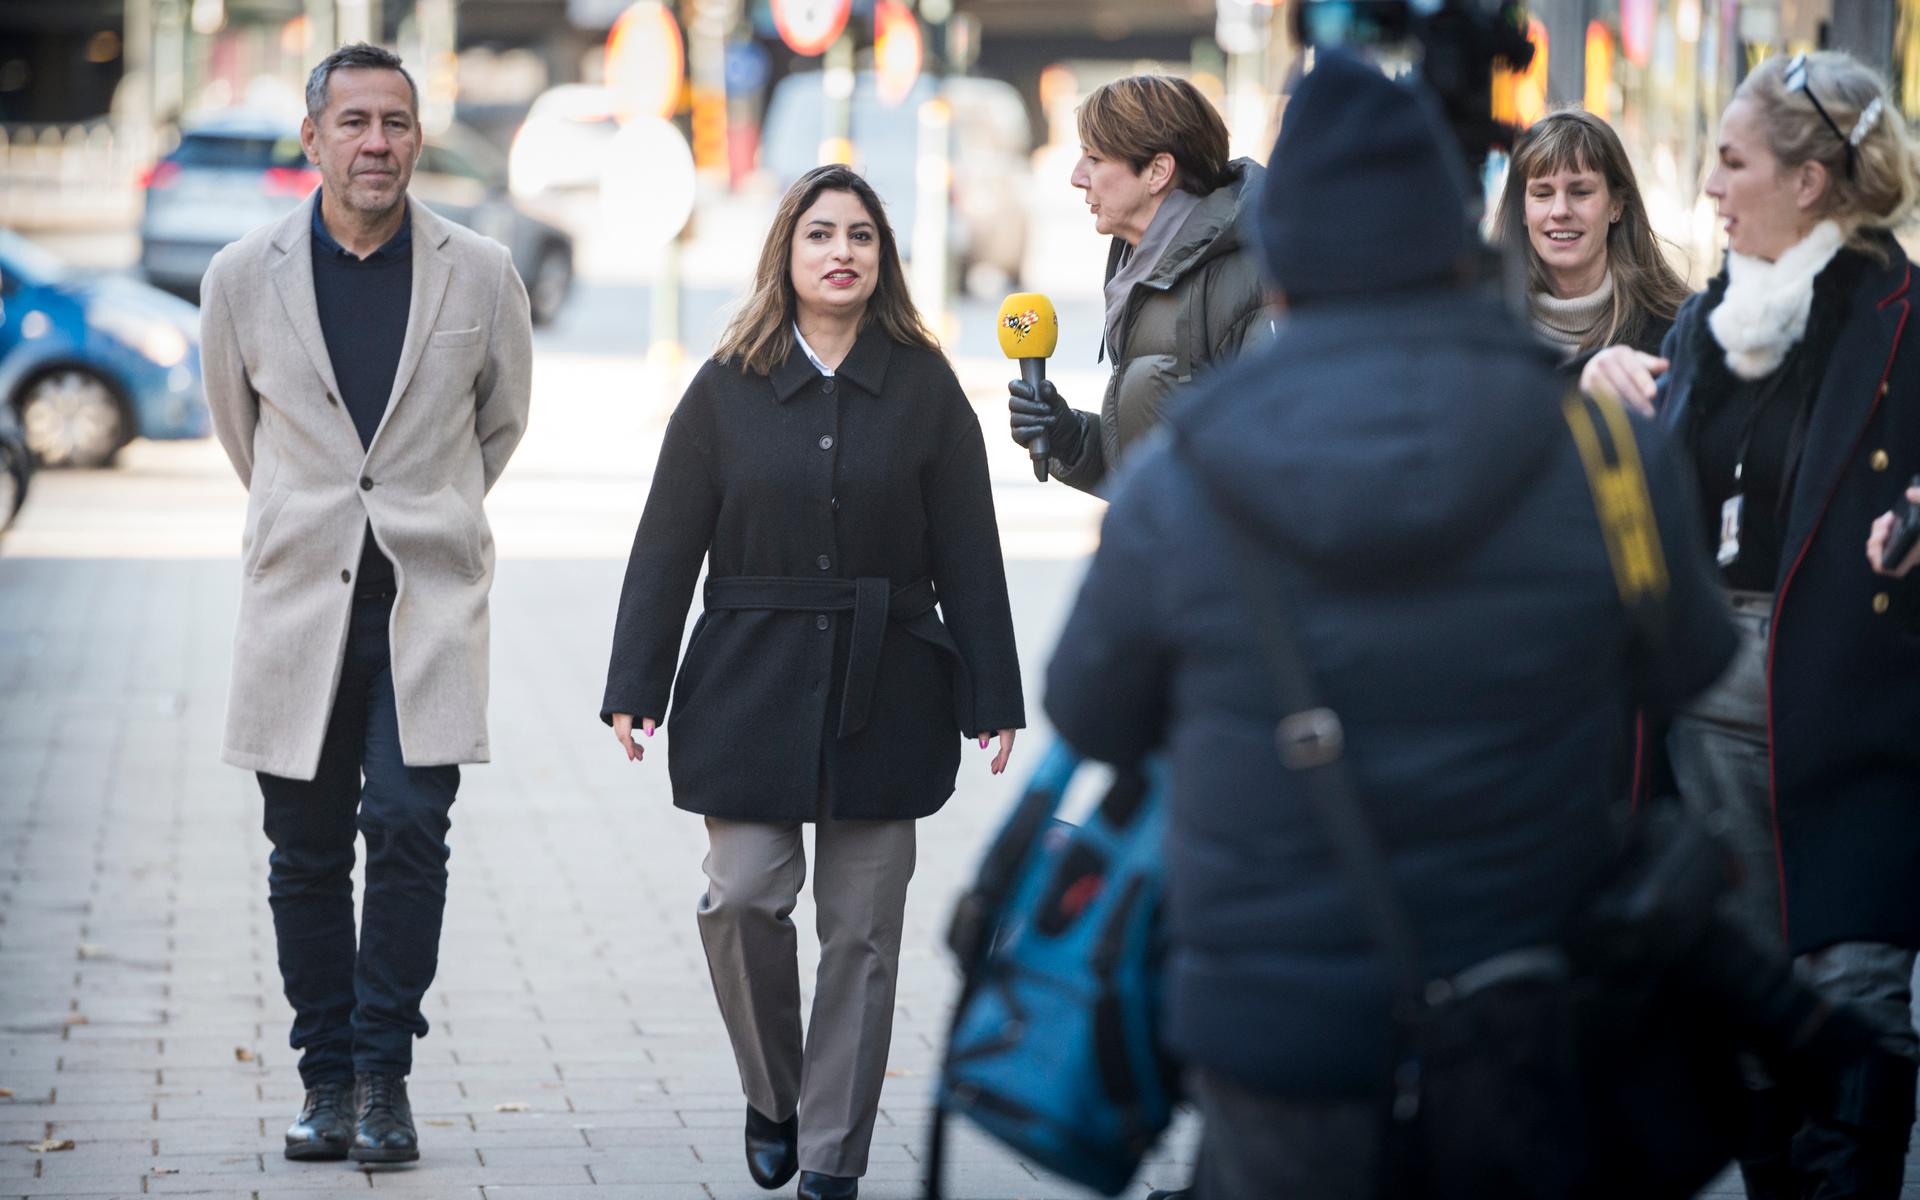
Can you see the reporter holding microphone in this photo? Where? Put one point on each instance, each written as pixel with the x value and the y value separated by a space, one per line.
pixel 1182 292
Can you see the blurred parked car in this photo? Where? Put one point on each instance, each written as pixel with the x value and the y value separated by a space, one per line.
pixel 464 179
pixel 563 143
pixel 991 141
pixel 240 170
pixel 91 362
pixel 16 467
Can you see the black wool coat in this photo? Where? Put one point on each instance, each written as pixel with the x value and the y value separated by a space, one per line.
pixel 1843 663
pixel 819 681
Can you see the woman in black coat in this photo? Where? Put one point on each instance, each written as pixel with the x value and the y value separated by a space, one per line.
pixel 828 467
pixel 1794 388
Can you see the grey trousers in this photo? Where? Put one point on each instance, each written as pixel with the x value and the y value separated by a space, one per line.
pixel 1719 751
pixel 754 872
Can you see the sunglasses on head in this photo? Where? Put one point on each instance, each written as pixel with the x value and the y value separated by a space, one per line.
pixel 1795 80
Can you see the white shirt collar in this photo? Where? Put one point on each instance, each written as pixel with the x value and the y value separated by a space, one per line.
pixel 813 358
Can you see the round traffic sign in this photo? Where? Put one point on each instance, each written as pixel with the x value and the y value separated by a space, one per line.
pixel 808 27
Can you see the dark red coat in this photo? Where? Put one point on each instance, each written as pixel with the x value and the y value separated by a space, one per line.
pixel 1844 658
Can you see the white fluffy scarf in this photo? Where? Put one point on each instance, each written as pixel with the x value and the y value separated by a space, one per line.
pixel 1764 312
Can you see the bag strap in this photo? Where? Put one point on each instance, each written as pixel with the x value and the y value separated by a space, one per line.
pixel 1611 459
pixel 1312 743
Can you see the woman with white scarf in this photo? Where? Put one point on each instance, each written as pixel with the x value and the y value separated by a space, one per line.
pixel 1793 381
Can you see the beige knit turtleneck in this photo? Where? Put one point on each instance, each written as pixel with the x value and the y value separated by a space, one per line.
pixel 1567 322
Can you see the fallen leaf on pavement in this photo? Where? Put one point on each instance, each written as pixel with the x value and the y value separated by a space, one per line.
pixel 166 1170
pixel 442 1124
pixel 6 1093
pixel 242 1054
pixel 49 1145
pixel 510 1106
pixel 76 1018
pixel 89 950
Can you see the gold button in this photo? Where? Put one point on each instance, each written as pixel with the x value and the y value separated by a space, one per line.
pixel 1881 601
pixel 1879 460
pixel 1883 387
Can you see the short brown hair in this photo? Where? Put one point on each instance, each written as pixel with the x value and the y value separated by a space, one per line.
pixel 760 335
pixel 1136 118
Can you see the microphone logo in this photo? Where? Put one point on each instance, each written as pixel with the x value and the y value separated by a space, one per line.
pixel 1022 323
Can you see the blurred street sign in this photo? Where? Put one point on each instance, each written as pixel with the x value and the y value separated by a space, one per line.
pixel 648 185
pixel 746 67
pixel 808 27
pixel 645 64
pixel 897 51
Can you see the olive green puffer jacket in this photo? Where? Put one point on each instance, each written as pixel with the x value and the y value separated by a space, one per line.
pixel 1203 303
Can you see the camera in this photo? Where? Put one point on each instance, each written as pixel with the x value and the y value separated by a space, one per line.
pixel 1453 47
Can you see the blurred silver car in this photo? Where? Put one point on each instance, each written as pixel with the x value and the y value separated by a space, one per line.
pixel 227 176
pixel 240 170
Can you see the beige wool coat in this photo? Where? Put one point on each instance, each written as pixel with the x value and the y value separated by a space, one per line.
pixel 458 408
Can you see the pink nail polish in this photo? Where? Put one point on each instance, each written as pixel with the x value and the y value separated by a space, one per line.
pixel 983 743
pixel 649 731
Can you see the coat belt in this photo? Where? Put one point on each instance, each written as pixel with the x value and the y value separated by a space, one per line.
pixel 873 601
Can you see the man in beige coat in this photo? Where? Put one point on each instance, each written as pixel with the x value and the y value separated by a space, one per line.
pixel 367 365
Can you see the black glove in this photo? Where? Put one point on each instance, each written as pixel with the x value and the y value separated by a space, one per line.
pixel 1046 415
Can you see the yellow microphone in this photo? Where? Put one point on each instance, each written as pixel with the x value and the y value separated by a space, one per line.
pixel 1029 330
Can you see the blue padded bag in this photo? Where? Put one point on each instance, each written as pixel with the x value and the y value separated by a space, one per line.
pixel 1053 1048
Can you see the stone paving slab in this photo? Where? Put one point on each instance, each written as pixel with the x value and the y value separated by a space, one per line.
pixel 140 1012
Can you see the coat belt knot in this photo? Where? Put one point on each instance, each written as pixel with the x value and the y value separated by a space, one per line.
pixel 873 600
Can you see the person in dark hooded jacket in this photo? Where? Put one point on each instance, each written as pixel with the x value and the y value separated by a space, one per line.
pixel 1402 444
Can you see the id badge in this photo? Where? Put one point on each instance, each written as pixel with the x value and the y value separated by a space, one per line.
pixel 1730 530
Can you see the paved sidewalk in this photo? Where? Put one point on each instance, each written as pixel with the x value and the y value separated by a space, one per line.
pixel 575 1051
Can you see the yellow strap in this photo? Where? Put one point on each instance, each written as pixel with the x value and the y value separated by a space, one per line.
pixel 1620 498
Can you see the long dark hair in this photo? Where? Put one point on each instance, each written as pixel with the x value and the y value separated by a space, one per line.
pixel 1645 286
pixel 760 335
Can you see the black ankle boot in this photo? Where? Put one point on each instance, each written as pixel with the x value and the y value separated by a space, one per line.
pixel 815 1186
pixel 773 1148
pixel 324 1128
pixel 385 1130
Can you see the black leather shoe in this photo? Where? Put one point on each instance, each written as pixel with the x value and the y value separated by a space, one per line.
pixel 815 1186
pixel 325 1125
pixel 385 1130
pixel 773 1148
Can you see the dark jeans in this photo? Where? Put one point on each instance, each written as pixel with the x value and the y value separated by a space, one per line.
pixel 358 1009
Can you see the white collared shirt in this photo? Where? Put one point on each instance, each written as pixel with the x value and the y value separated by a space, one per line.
pixel 813 358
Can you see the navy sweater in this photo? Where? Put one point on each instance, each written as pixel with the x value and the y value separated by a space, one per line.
pixel 363 306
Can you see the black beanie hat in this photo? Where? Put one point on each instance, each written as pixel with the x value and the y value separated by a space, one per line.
pixel 1365 191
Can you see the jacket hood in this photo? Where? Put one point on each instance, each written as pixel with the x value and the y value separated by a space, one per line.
pixel 1382 436
pixel 1213 227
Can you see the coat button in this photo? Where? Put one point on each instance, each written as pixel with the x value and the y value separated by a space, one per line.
pixel 826 441
pixel 1879 460
pixel 834 504
pixel 331 399
pixel 1883 387
pixel 824 563
pixel 1881 602
pixel 826 386
pixel 366 485
pixel 346 577
pixel 821 622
